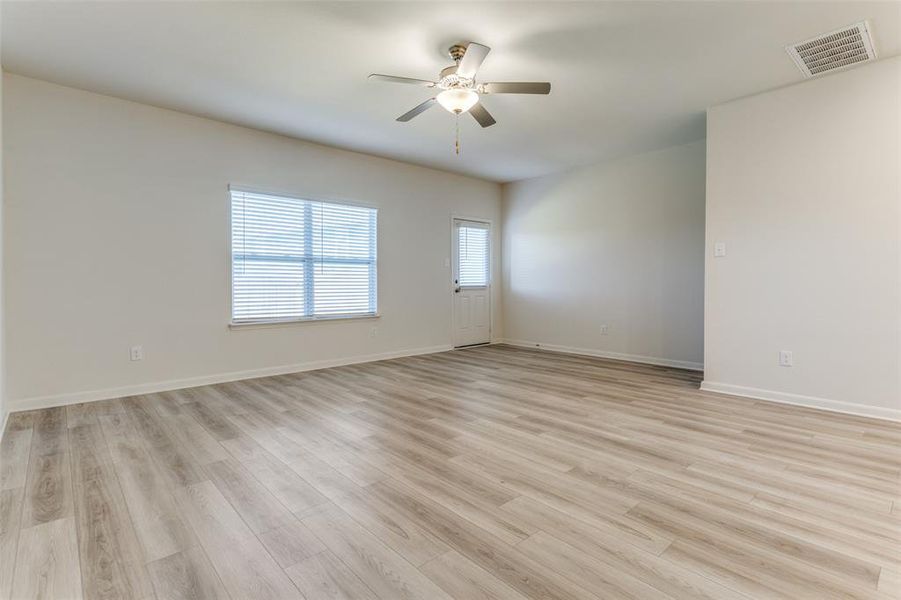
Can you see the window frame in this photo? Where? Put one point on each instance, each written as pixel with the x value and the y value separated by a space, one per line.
pixel 276 322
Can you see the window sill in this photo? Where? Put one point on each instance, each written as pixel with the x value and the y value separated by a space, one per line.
pixel 306 321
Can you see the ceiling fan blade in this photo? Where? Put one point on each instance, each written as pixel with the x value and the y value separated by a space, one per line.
pixel 481 115
pixel 531 87
pixel 393 79
pixel 472 60
pixel 419 109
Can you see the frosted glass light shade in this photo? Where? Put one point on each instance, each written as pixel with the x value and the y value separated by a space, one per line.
pixel 457 100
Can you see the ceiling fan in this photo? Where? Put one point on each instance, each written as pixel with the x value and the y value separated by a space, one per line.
pixel 460 91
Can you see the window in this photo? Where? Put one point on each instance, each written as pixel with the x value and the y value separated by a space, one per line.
pixel 295 259
pixel 472 254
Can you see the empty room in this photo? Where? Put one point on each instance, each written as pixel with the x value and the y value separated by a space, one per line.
pixel 425 300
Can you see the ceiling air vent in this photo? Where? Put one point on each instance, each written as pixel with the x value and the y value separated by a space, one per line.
pixel 835 50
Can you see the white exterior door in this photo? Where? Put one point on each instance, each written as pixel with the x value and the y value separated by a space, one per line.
pixel 472 283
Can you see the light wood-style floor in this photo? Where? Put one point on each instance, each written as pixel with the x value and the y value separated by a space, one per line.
pixel 492 472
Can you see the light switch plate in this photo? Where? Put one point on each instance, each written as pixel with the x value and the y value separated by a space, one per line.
pixel 719 249
pixel 785 358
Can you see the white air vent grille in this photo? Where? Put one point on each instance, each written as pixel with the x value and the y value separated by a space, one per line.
pixel 833 51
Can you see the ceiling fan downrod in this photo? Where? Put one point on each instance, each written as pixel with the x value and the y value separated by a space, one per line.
pixel 456 52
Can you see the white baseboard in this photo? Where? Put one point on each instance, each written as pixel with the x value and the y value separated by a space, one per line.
pixel 38 402
pixel 175 384
pixel 863 410
pixel 3 424
pixel 637 358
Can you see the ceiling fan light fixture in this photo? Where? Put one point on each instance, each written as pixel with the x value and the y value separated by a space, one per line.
pixel 457 100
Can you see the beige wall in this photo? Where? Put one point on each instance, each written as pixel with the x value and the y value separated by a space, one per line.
pixel 116 234
pixel 619 243
pixel 3 405
pixel 803 187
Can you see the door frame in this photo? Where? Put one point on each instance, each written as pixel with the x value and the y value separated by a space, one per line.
pixel 452 269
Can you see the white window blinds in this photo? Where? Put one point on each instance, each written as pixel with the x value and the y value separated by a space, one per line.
pixel 298 259
pixel 472 258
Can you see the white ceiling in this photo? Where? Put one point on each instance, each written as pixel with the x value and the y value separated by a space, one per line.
pixel 626 76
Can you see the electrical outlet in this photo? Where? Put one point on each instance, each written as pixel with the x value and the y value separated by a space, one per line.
pixel 137 353
pixel 373 332
pixel 785 358
pixel 719 249
pixel 605 329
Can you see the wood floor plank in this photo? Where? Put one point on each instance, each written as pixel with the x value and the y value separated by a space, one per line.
pixel 210 515
pixel 291 543
pixel 397 461
pixel 158 524
pixel 10 519
pixel 324 577
pixel 14 452
pixel 621 529
pixel 21 420
pixel 379 567
pixel 764 565
pixel 48 490
pixel 556 489
pixel 240 560
pixel 391 527
pixel 49 432
pixel 47 562
pixel 295 493
pixel 89 455
pixel 211 419
pixel 632 552
pixel 890 583
pixel 248 571
pixel 683 519
pixel 259 509
pixel 265 432
pixel 469 495
pixel 112 561
pixel 877 531
pixel 461 578
pixel 529 577
pixel 196 441
pixel 186 575
pixel 735 575
pixel 86 413
pixel 175 463
pixel 584 570
pixel 327 481
pixel 48 485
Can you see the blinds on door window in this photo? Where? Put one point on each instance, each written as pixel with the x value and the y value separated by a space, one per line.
pixel 296 259
pixel 472 249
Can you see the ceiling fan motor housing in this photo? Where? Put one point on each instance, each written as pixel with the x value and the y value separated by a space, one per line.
pixel 448 79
